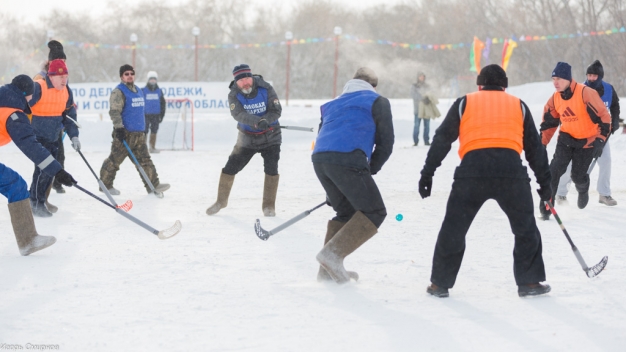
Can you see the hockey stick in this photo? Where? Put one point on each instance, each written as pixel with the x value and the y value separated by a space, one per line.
pixel 126 206
pixel 264 234
pixel 594 270
pixel 163 234
pixel 296 128
pixel 593 163
pixel 142 172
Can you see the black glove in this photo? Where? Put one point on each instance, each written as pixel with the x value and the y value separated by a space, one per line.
pixel 120 134
pixel 597 145
pixel 426 100
pixel 328 201
pixel 614 127
pixel 64 178
pixel 545 193
pixel 425 186
pixel 262 124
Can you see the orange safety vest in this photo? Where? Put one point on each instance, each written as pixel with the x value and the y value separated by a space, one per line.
pixel 575 119
pixel 52 102
pixel 492 119
pixel 5 138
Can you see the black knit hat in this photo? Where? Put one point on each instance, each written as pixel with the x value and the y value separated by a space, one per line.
pixel 596 69
pixel 24 84
pixel 56 51
pixel 124 68
pixel 562 70
pixel 492 75
pixel 241 71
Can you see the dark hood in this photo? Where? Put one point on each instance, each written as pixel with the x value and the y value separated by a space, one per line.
pixel 12 97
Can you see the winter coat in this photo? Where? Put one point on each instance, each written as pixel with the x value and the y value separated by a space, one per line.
pixel 249 134
pixel 430 110
pixel 614 108
pixel 22 133
pixel 49 127
pixel 380 112
pixel 155 88
pixel 418 90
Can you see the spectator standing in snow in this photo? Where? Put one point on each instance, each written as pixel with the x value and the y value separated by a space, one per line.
pixel 129 124
pixel 155 108
pixel 353 125
pixel 53 109
pixel 256 108
pixel 424 108
pixel 493 128
pixel 584 123
pixel 15 125
pixel 595 75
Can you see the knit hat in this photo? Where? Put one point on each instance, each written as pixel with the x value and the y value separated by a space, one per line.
pixel 152 74
pixel 124 68
pixel 24 84
pixel 563 70
pixel 56 51
pixel 242 71
pixel 492 75
pixel 57 68
pixel 596 69
pixel 368 75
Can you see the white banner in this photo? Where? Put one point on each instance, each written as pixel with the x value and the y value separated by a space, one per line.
pixel 207 97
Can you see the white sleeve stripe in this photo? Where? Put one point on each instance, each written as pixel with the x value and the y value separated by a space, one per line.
pixel 14 116
pixel 461 108
pixel 523 112
pixel 44 164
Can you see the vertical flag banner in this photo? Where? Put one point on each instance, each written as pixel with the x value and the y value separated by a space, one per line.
pixel 477 47
pixel 507 51
pixel 487 50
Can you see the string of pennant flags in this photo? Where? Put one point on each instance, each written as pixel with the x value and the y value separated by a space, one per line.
pixel 477 47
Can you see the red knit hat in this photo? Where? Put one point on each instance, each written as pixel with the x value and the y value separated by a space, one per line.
pixel 57 68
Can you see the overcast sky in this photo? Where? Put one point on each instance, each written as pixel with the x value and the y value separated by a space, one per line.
pixel 31 10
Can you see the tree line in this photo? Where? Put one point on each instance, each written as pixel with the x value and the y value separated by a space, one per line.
pixel 312 65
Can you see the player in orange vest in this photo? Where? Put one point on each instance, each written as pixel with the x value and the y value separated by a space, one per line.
pixel 15 125
pixel 53 109
pixel 493 128
pixel 585 124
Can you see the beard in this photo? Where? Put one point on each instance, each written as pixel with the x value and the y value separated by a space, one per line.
pixel 247 90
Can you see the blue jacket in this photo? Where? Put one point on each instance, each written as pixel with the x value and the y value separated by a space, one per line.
pixel 155 102
pixel 22 132
pixel 49 128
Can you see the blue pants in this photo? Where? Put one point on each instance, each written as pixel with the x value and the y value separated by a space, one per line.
pixel 41 180
pixel 12 185
pixel 416 130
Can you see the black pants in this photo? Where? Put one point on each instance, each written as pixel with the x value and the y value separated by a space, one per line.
pixel 581 159
pixel 240 157
pixel 350 190
pixel 152 123
pixel 467 197
pixel 42 181
pixel 61 159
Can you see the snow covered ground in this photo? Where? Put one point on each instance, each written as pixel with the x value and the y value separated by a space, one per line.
pixel 109 285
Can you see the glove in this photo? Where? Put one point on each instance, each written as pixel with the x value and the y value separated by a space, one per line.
pixel 64 178
pixel 426 100
pixel 262 124
pixel 597 145
pixel 425 186
pixel 328 201
pixel 614 127
pixel 120 134
pixel 76 144
pixel 545 193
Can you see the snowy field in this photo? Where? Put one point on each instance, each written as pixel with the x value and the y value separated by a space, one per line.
pixel 109 285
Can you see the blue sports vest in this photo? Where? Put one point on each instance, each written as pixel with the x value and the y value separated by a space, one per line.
pixel 348 124
pixel 255 106
pixel 607 98
pixel 132 115
pixel 153 100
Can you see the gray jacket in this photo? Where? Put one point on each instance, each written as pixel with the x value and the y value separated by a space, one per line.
pixel 418 91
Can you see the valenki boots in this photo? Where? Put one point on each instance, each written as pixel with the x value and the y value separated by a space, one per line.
pixel 28 241
pixel 223 191
pixel 351 236
pixel 153 149
pixel 51 207
pixel 332 229
pixel 270 187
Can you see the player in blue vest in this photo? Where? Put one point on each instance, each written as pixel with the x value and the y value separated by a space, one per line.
pixel 16 126
pixel 355 139
pixel 129 124
pixel 255 106
pixel 595 74
pixel 154 108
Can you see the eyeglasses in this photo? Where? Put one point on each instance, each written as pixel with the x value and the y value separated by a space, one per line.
pixel 129 73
